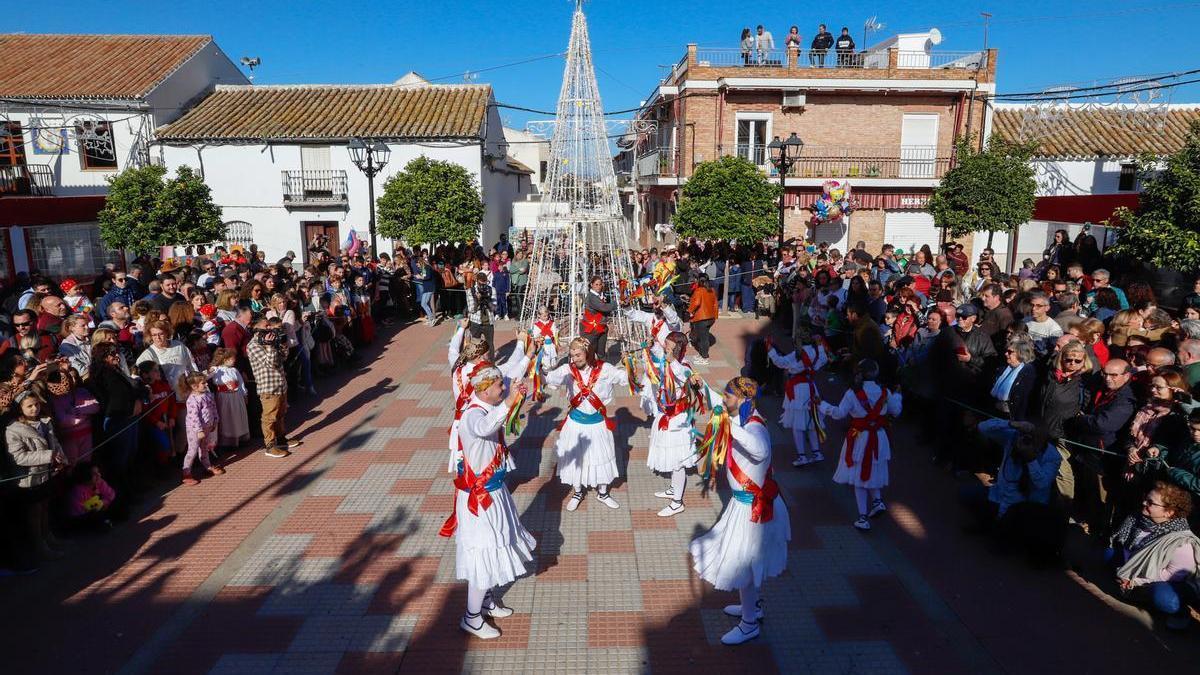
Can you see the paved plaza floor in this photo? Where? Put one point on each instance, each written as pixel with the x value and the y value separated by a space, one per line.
pixel 329 561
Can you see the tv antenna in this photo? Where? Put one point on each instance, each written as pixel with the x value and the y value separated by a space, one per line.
pixel 251 62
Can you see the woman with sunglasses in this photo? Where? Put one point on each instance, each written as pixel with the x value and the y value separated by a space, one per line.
pixel 1062 398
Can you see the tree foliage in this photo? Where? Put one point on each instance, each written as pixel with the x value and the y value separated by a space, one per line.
pixel 430 201
pixel 728 198
pixel 145 210
pixel 989 190
pixel 1165 229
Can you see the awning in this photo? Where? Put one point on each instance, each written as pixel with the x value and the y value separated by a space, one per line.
pixel 863 199
pixel 1081 208
pixel 49 210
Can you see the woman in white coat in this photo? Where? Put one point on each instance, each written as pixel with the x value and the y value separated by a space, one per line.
pixel 587 455
pixel 749 542
pixel 491 546
pixel 863 461
pixel 468 357
pixel 801 396
pixel 666 398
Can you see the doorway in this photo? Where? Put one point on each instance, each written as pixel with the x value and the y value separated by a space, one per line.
pixel 312 229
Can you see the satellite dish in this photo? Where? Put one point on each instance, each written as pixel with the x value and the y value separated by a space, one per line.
pixel 935 36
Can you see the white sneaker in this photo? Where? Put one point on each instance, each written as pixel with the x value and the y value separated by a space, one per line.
pixel 802 460
pixel 877 507
pixel 818 456
pixel 607 500
pixel 493 609
pixel 666 494
pixel 574 502
pixel 740 633
pixel 485 631
pixel 736 611
pixel 674 508
pixel 862 523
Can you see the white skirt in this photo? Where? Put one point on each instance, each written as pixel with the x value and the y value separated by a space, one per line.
pixel 491 548
pixel 852 475
pixel 672 448
pixel 736 552
pixel 796 417
pixel 587 454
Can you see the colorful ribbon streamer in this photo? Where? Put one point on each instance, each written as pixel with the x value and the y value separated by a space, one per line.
pixel 714 446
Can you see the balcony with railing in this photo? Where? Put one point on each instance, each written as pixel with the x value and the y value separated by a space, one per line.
pixel 911 161
pixel 27 180
pixel 323 187
pixel 656 162
pixel 875 63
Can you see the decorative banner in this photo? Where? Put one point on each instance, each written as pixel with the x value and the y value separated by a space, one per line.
pixel 833 204
pixel 49 136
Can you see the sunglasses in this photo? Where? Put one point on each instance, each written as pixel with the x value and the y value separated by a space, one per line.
pixel 1072 360
pixel 119 279
pixel 22 325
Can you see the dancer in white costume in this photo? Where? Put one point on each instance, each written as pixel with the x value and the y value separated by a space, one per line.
pixel 863 462
pixel 749 542
pixel 587 455
pixel 545 334
pixel 800 394
pixel 467 357
pixel 666 396
pixel 662 320
pixel 491 545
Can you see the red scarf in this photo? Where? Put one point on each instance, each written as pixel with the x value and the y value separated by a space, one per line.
pixel 874 424
pixel 473 485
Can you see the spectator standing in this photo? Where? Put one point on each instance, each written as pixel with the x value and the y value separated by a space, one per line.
pixel 764 44
pixel 1105 413
pixel 703 311
pixel 747 46
pixel 844 46
pixel 481 310
pixel 793 39
pixel 821 43
pixel 266 353
pixel 1044 330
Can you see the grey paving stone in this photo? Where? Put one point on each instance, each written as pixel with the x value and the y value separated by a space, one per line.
pixel 244 664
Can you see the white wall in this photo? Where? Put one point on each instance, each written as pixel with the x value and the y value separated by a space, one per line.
pixel 529 150
pixel 1057 178
pixel 69 176
pixel 194 79
pixel 247 183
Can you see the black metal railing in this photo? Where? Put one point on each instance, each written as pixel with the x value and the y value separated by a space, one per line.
pixel 323 186
pixel 31 180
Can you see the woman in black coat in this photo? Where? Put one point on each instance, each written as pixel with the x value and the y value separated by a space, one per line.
pixel 1013 388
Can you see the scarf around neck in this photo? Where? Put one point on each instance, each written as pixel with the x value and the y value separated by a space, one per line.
pixel 1125 534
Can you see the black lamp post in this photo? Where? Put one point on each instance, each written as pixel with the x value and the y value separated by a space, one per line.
pixel 370 158
pixel 784 155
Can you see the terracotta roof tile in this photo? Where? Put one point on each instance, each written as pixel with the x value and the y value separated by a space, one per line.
pixel 91 66
pixel 327 112
pixel 1081 132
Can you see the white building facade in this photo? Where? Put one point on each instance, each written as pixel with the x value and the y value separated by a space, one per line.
pixel 277 159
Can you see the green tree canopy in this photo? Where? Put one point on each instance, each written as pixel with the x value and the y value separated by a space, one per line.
pixel 145 210
pixel 430 201
pixel 1165 230
pixel 728 198
pixel 989 190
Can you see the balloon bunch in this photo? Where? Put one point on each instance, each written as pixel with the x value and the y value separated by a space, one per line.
pixel 833 204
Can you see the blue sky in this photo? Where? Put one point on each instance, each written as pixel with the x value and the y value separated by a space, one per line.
pixel 350 41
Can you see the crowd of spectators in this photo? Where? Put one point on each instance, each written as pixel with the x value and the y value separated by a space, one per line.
pixel 758 47
pixel 161 372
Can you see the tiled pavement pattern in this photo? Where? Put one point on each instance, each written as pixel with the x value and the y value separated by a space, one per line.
pixel 330 561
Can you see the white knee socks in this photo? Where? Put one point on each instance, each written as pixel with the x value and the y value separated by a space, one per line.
pixel 860 496
pixel 806 441
pixel 475 599
pixel 678 483
pixel 749 597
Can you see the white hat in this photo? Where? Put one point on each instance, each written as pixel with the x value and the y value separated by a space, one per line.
pixel 488 374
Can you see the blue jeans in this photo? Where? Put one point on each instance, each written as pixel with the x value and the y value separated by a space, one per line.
pixel 501 303
pixel 306 381
pixel 121 446
pixel 748 298
pixel 427 304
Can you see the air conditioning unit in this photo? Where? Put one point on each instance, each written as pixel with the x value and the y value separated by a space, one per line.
pixel 794 99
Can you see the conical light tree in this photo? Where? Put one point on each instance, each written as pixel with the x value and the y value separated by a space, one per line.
pixel 580 226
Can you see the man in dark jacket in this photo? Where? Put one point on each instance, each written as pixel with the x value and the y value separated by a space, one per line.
pixel 595 317
pixel 821 43
pixel 998 317
pixel 1106 412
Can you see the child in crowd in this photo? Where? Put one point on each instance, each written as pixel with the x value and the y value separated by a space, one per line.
pixel 360 298
pixel 73 408
pixel 545 333
pixel 158 424
pixel 863 462
pixel 77 301
pixel 34 448
pixel 212 325
pixel 90 495
pixel 231 399
pixel 202 423
pixel 801 397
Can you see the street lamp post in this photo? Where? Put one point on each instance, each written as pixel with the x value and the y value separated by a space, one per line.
pixel 784 155
pixel 370 158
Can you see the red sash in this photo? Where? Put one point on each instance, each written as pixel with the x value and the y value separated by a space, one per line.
pixel 805 376
pixel 474 486
pixel 228 387
pixel 874 424
pixel 677 408
pixel 585 393
pixel 762 510
pixel 545 330
pixel 594 323
pixel 654 326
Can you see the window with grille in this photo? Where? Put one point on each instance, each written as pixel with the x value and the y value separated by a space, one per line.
pixel 237 232
pixel 96 147
pixel 1128 180
pixel 70 250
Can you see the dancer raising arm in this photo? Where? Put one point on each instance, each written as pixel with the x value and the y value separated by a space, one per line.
pixel 863 462
pixel 801 397
pixel 666 395
pixel 587 455
pixel 467 357
pixel 662 320
pixel 491 545
pixel 749 542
